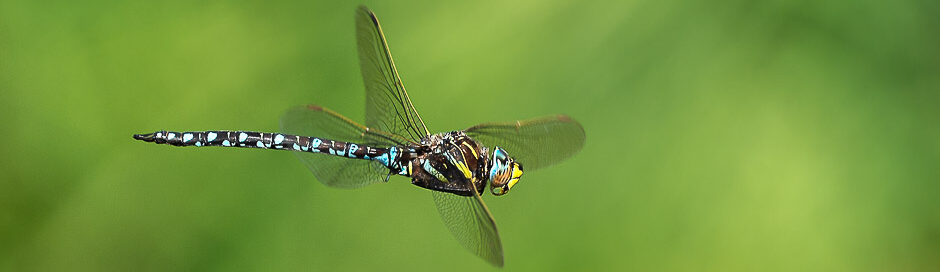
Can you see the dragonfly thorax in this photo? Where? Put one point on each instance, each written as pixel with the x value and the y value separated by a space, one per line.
pixel 452 161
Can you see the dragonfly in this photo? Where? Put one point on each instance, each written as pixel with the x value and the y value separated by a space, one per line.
pixel 456 166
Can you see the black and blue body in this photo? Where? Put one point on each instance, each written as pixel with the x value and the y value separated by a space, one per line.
pixel 455 166
pixel 430 166
pixel 389 157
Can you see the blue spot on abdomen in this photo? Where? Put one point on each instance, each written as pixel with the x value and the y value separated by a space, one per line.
pixel 315 145
pixel 383 159
pixel 352 149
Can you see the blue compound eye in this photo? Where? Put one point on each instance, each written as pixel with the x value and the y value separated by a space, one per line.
pixel 500 154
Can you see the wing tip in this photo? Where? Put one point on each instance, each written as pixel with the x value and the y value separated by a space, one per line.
pixel 365 10
pixel 567 119
pixel 499 261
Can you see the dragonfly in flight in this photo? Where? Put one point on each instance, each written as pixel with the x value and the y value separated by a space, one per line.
pixel 456 166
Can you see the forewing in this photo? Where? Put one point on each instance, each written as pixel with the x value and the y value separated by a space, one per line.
pixel 535 143
pixel 472 224
pixel 388 106
pixel 334 171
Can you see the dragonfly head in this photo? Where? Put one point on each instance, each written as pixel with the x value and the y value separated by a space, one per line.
pixel 504 172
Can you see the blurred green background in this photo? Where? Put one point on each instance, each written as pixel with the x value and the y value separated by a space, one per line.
pixel 722 135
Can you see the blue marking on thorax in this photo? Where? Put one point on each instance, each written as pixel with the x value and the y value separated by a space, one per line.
pixel 450 158
pixel 210 136
pixel 278 139
pixel 226 143
pixel 315 146
pixel 403 171
pixel 242 136
pixel 392 153
pixel 187 137
pixel 352 149
pixel 296 147
pixel 427 167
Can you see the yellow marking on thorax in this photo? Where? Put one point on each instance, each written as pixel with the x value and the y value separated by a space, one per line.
pixel 467 144
pixel 461 165
pixel 463 168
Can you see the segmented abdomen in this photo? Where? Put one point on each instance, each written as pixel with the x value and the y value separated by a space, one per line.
pixel 278 141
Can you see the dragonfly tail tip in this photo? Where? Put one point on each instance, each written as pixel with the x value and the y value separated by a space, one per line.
pixel 144 137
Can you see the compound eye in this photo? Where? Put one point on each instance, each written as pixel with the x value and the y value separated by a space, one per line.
pixel 499 154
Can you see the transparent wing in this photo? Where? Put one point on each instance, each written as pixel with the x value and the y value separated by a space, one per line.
pixel 472 224
pixel 388 106
pixel 334 171
pixel 535 143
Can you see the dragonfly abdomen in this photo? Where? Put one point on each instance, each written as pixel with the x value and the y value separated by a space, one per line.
pixel 277 141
